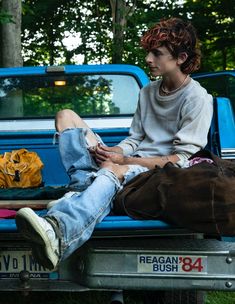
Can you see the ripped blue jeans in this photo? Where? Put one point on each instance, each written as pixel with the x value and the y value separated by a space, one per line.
pixel 77 214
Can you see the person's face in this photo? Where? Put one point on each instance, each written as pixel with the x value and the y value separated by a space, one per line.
pixel 161 62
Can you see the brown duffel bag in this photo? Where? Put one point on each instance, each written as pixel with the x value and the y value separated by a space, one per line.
pixel 200 198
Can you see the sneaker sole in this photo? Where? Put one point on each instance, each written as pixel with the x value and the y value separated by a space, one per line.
pixel 31 229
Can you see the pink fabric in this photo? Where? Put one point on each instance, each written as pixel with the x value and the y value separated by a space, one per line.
pixel 6 213
pixel 198 160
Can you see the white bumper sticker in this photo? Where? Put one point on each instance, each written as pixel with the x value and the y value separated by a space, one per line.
pixel 170 264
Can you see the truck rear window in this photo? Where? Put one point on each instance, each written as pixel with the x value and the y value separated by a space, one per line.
pixel 219 86
pixel 87 95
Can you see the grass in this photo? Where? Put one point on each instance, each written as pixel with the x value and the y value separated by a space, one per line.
pixel 217 297
pixel 93 297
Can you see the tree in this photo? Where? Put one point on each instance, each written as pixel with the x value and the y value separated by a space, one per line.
pixel 44 26
pixel 11 34
pixel 110 31
pixel 120 12
pixel 10 54
pixel 215 24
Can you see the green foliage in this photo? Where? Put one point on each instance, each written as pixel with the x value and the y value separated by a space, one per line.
pixel 85 96
pixel 46 23
pixel 214 20
pixel 5 17
pixel 42 97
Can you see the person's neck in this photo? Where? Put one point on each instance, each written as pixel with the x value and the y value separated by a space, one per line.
pixel 172 84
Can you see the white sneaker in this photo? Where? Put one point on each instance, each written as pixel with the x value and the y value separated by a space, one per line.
pixel 67 195
pixel 42 236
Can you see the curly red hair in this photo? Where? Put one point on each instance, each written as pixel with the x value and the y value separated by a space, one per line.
pixel 177 36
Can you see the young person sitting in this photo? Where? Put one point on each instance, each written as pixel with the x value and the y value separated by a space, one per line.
pixel 170 124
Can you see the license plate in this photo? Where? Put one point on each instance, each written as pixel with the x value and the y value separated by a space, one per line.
pixel 172 264
pixel 12 262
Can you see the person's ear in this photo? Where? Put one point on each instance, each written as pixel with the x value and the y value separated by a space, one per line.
pixel 182 58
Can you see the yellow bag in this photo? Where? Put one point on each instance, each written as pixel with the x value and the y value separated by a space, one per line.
pixel 20 168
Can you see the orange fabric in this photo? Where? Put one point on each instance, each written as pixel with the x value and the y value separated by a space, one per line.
pixel 20 168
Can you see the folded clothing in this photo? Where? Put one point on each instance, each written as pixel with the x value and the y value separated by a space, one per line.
pixel 6 213
pixel 34 193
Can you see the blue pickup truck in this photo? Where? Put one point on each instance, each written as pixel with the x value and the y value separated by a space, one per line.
pixel 123 254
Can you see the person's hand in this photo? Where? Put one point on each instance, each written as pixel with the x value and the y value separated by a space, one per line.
pixel 103 153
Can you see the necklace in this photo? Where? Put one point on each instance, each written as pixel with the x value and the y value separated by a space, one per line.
pixel 166 92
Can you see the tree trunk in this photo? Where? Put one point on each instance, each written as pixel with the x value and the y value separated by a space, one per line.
pixel 224 58
pixel 120 12
pixel 11 35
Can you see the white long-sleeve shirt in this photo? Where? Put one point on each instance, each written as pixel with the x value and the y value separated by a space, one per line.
pixel 173 124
